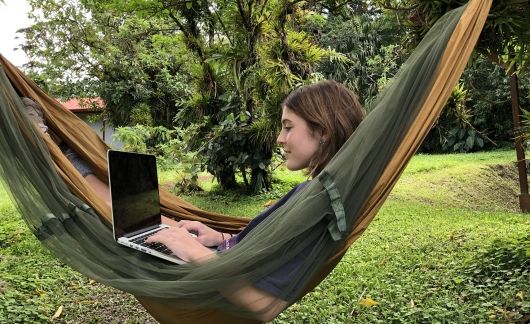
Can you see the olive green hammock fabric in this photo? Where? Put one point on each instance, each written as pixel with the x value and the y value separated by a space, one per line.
pixel 328 214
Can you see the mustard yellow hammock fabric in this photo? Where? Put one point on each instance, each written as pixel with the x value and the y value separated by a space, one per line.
pixel 328 214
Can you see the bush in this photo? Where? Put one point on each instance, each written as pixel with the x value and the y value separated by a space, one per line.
pixel 171 149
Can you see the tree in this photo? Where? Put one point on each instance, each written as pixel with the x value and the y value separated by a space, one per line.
pixel 370 40
pixel 224 65
pixel 80 49
pixel 505 36
pixel 504 41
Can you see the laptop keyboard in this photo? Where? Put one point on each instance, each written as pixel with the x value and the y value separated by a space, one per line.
pixel 140 240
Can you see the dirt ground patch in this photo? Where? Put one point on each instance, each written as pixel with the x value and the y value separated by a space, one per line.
pixel 506 171
pixel 492 187
pixel 496 188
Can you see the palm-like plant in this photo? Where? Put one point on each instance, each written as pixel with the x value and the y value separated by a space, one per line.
pixel 265 57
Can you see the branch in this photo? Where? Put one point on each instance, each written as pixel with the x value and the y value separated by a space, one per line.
pixel 177 21
pixel 223 27
pixel 481 133
pixel 483 98
pixel 389 7
pixel 497 60
pixel 243 14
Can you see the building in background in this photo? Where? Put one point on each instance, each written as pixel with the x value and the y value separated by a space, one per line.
pixel 90 110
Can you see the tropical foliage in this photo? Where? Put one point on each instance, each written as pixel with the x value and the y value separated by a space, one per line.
pixel 173 63
pixel 369 40
pixel 484 117
pixel 218 70
pixel 504 39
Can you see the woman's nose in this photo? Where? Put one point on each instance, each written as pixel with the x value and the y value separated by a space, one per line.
pixel 280 139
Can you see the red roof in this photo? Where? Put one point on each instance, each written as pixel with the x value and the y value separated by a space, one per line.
pixel 84 104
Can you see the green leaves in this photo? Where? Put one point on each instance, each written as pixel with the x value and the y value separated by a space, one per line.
pixel 109 50
pixel 503 263
pixel 504 39
pixel 366 43
pixel 462 140
pixel 251 54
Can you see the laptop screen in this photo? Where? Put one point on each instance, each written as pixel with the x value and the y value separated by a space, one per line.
pixel 134 191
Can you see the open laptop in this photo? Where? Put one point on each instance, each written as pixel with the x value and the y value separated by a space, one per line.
pixel 133 183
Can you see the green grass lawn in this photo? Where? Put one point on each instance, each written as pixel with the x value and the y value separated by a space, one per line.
pixel 448 246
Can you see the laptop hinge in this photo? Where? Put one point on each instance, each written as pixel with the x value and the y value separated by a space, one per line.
pixel 143 230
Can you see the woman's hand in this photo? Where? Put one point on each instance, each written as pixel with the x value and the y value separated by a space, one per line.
pixel 182 244
pixel 169 221
pixel 205 235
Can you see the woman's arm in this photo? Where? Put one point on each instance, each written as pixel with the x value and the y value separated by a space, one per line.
pixel 263 304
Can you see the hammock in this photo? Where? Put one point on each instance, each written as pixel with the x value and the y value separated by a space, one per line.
pixel 329 214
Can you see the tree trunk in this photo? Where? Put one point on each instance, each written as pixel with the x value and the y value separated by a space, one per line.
pixel 227 179
pixel 260 180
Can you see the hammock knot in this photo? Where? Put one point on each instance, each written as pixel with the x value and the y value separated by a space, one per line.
pixel 85 208
pixel 45 230
pixel 48 217
pixel 77 210
pixel 337 225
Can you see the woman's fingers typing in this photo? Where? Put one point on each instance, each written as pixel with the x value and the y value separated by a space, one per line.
pixel 205 235
pixel 180 242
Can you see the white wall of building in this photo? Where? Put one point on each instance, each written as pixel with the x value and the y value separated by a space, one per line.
pixel 105 133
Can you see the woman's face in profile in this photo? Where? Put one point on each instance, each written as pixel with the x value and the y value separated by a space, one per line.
pixel 299 142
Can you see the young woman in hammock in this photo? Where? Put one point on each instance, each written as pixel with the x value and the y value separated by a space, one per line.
pixel 316 121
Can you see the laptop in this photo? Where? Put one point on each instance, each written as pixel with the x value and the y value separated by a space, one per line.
pixel 133 183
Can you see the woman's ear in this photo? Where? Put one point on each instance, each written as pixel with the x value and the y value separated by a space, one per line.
pixel 323 137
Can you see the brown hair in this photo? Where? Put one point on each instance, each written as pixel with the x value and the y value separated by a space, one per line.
pixel 331 108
